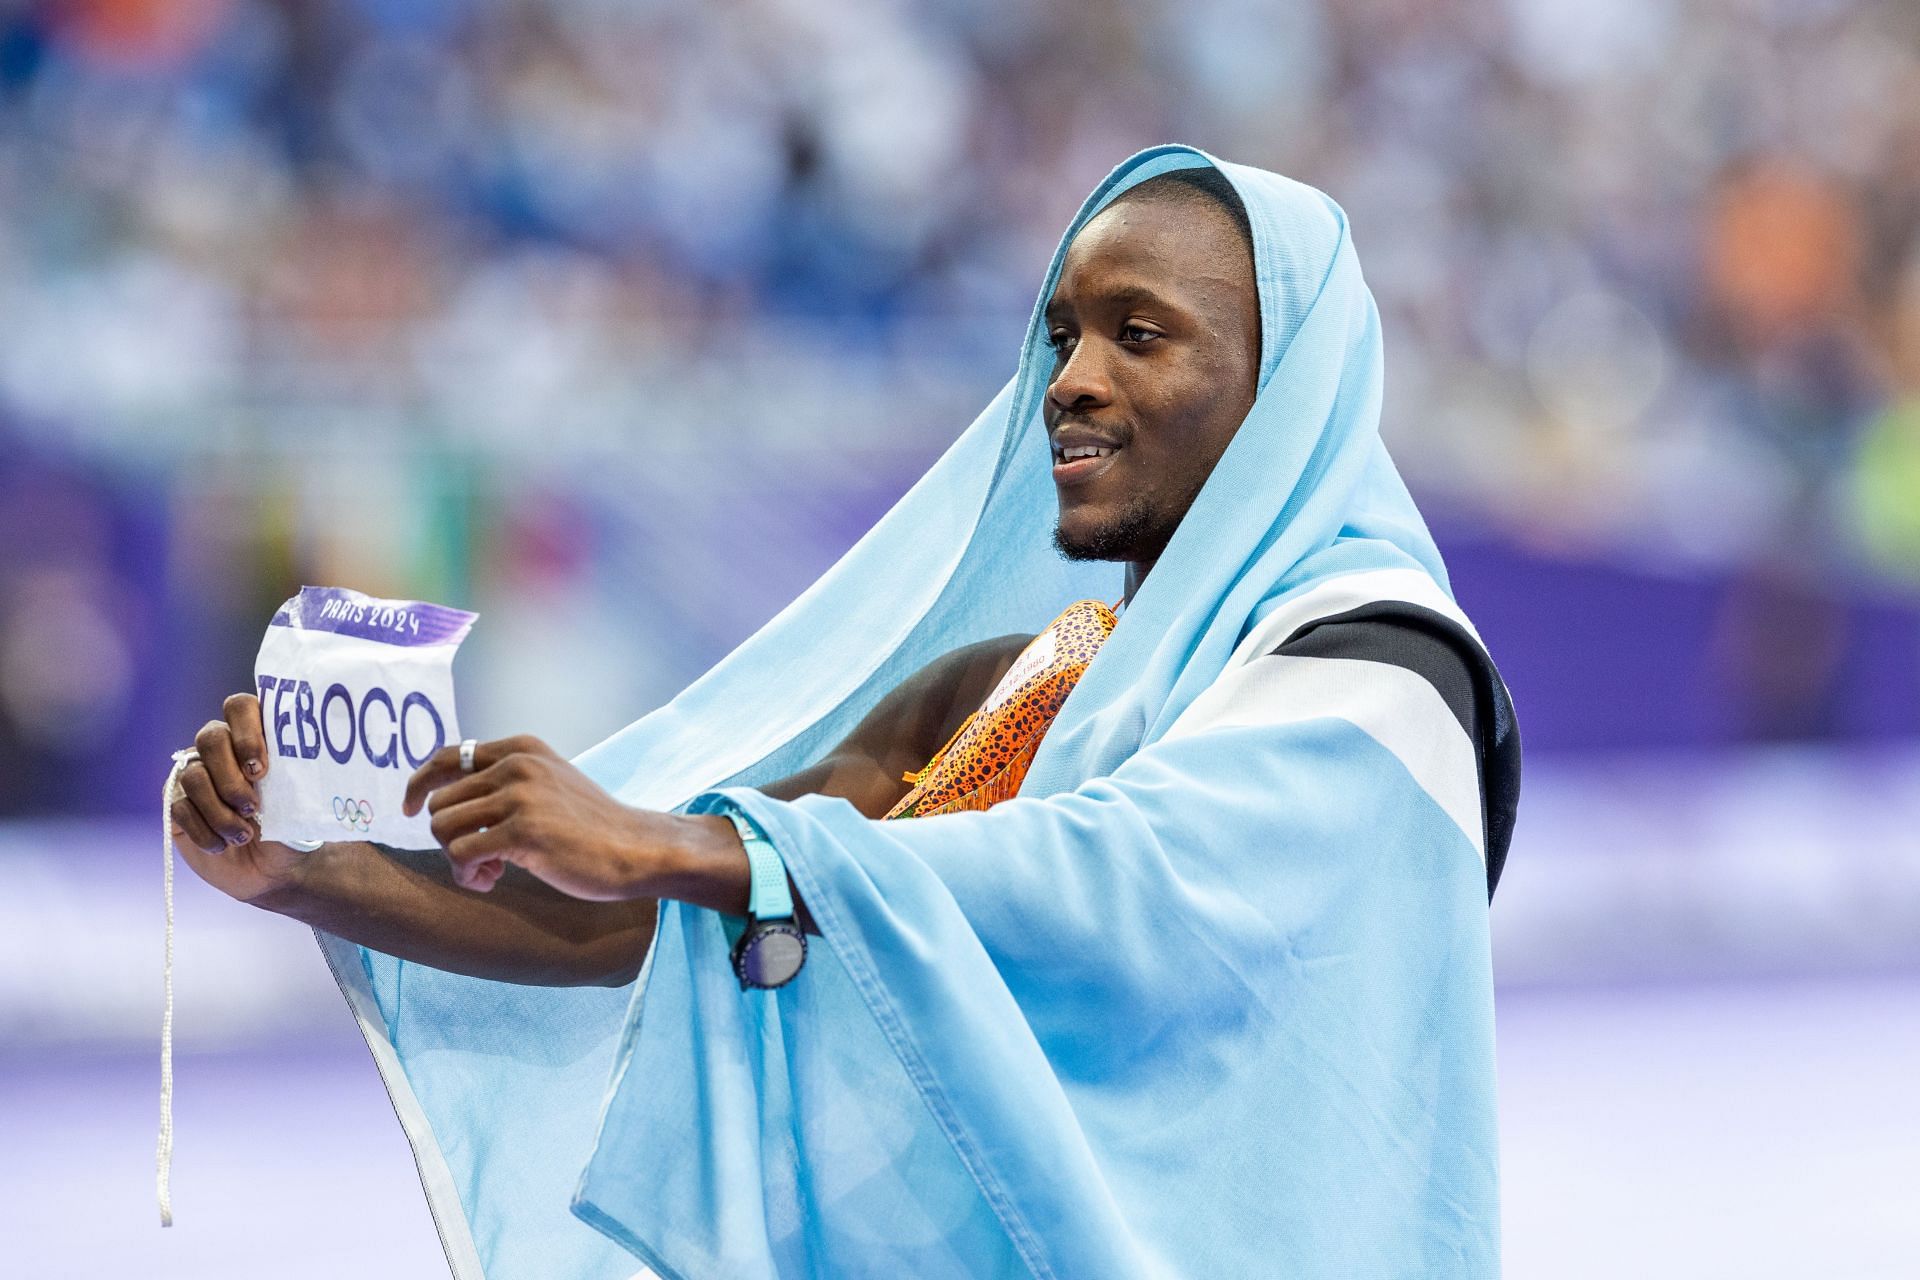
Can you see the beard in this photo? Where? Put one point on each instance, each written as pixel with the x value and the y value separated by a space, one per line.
pixel 1137 532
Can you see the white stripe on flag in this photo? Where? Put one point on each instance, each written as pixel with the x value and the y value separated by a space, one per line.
pixel 1395 707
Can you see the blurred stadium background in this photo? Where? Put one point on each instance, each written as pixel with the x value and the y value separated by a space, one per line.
pixel 618 320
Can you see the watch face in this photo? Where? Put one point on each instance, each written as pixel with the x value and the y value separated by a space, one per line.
pixel 771 955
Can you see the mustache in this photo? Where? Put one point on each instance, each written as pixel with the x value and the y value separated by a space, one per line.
pixel 1119 429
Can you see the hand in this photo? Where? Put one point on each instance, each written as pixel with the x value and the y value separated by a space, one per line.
pixel 526 805
pixel 213 819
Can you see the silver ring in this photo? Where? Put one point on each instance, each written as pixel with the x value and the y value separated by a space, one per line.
pixel 466 755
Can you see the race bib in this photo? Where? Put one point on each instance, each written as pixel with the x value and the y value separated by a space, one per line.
pixel 355 694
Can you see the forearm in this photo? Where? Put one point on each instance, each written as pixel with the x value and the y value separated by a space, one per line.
pixel 711 870
pixel 709 866
pixel 406 904
pixel 522 930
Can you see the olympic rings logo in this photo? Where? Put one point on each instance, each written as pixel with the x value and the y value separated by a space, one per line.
pixel 356 815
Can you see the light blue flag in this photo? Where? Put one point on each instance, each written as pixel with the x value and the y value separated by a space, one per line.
pixel 1210 997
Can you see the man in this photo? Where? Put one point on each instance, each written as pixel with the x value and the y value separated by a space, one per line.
pixel 1235 893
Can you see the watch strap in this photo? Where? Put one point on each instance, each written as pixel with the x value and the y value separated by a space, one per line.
pixel 768 897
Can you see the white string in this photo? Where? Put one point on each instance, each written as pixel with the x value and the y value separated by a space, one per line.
pixel 163 1156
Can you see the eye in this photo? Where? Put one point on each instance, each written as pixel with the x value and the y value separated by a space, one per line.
pixel 1060 340
pixel 1138 335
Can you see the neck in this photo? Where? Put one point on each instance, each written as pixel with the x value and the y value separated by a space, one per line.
pixel 1136 573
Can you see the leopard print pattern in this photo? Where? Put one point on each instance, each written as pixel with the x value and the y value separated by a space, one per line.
pixel 986 759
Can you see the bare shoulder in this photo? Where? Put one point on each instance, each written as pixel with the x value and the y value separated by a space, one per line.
pixel 922 712
pixel 972 671
pixel 905 728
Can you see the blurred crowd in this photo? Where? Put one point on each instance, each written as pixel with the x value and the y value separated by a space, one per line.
pixel 573 309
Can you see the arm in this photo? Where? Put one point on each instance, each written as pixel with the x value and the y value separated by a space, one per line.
pixel 402 903
pixel 903 729
pixel 405 903
pixel 415 906
pixel 526 805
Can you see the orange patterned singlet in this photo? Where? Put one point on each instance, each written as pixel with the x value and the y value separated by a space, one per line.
pixel 985 760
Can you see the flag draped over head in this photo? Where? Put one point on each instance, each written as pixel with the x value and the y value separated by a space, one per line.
pixel 1211 995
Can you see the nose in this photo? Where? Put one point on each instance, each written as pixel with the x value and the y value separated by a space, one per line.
pixel 1082 381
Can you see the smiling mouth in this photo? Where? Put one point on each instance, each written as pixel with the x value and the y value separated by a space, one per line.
pixel 1081 463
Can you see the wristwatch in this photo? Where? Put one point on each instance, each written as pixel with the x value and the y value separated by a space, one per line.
pixel 773 948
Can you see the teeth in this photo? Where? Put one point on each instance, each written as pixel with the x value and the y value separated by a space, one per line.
pixel 1083 451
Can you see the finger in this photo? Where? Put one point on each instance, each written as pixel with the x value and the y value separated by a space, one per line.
pixel 452 822
pixel 469 855
pixel 483 875
pixel 471 786
pixel 479 874
pixel 444 766
pixel 242 711
pixel 192 827
pixel 497 841
pixel 198 788
pixel 214 742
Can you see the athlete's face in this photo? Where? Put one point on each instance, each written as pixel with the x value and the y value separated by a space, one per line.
pixel 1155 326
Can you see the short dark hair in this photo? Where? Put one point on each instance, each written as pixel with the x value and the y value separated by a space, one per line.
pixel 1204 183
